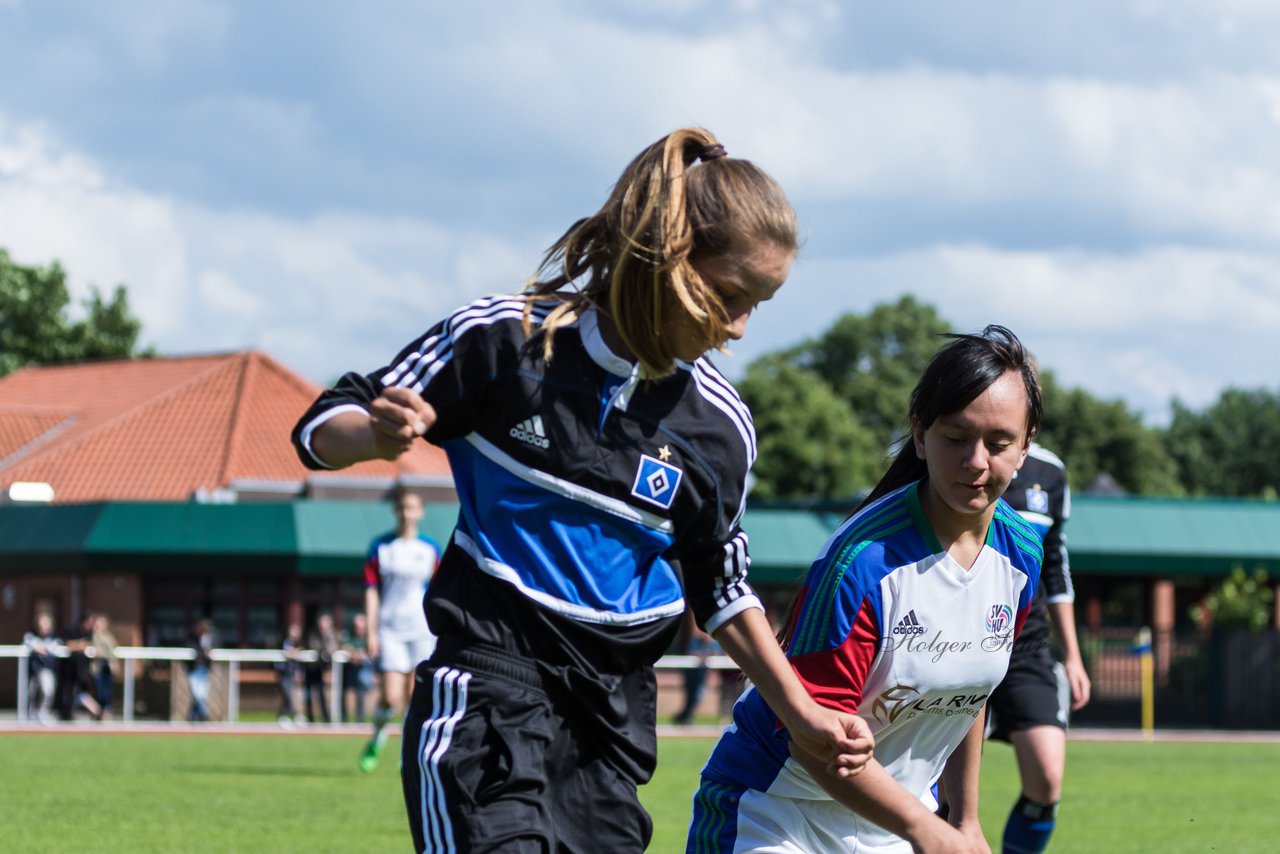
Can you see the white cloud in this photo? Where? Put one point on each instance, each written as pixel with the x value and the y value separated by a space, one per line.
pixel 224 295
pixel 1158 157
pixel 322 293
pixel 1143 327
pixel 56 206
pixel 325 197
pixel 28 156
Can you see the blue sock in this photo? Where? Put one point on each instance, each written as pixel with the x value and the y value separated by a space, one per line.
pixel 1030 826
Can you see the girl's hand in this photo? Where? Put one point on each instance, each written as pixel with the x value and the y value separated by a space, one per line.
pixel 396 418
pixel 841 740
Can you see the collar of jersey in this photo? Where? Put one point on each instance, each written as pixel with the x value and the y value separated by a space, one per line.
pixel 597 349
pixel 602 355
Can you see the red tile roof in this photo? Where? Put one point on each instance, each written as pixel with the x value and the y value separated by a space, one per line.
pixel 161 429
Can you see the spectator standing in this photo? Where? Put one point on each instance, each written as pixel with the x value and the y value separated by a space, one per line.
pixel 322 640
pixel 106 666
pixel 700 645
pixel 358 671
pixel 42 643
pixel 287 672
pixel 75 680
pixel 200 671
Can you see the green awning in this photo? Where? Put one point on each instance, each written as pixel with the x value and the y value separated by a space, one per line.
pixel 1115 536
pixel 1107 536
pixel 333 536
pixel 281 539
pixel 42 538
pixel 234 539
pixel 1168 536
pixel 783 543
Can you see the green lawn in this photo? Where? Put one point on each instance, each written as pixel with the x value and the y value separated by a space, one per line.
pixel 1120 797
pixel 134 793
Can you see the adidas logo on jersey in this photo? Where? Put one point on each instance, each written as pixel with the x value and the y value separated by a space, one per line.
pixel 909 625
pixel 530 432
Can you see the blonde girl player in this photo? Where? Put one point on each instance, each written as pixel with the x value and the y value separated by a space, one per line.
pixel 600 461
pixel 396 577
pixel 907 616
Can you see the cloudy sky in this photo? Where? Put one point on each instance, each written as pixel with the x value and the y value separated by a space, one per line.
pixel 321 180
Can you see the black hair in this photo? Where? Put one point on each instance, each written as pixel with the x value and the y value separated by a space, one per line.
pixel 956 376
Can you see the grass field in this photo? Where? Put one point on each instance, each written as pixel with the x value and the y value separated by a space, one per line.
pixel 136 793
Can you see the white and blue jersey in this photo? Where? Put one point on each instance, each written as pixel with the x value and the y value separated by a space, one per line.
pixel 594 502
pixel 400 569
pixel 889 626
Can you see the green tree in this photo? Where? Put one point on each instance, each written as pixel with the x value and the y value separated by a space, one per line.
pixel 810 442
pixel 1231 448
pixel 864 367
pixel 35 328
pixel 1096 437
pixel 872 362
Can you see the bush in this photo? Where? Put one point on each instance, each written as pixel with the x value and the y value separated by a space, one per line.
pixel 1241 601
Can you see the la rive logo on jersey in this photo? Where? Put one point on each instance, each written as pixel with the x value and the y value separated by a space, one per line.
pixel 905 702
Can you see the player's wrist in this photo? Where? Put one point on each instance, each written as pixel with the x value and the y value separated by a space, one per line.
pixel 924 829
pixel 802 715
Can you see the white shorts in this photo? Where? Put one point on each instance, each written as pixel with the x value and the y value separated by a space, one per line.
pixel 401 655
pixel 769 824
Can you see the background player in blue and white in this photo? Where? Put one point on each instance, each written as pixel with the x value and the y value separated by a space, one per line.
pixel 600 461
pixel 396 577
pixel 907 617
pixel 1030 708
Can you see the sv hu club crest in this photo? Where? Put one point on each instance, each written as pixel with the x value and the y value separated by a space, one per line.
pixel 999 619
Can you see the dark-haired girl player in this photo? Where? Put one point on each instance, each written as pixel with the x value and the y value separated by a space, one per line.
pixel 907 617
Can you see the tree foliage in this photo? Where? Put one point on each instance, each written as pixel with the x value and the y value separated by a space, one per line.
pixel 1231 448
pixel 827 411
pixel 810 442
pixel 872 361
pixel 35 328
pixel 1098 438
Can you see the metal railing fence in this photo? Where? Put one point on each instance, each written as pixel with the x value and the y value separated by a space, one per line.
pixel 233 658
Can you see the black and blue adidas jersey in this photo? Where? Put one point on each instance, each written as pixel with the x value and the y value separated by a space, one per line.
pixel 1041 495
pixel 593 501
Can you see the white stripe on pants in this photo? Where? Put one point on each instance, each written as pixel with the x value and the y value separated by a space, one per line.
pixel 448 704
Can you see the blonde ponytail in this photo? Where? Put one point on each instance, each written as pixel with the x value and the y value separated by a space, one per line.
pixel 632 258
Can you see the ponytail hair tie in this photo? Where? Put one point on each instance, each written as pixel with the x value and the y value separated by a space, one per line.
pixel 711 152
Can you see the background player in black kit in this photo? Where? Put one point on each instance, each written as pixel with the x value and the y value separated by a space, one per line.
pixel 600 462
pixel 1030 708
